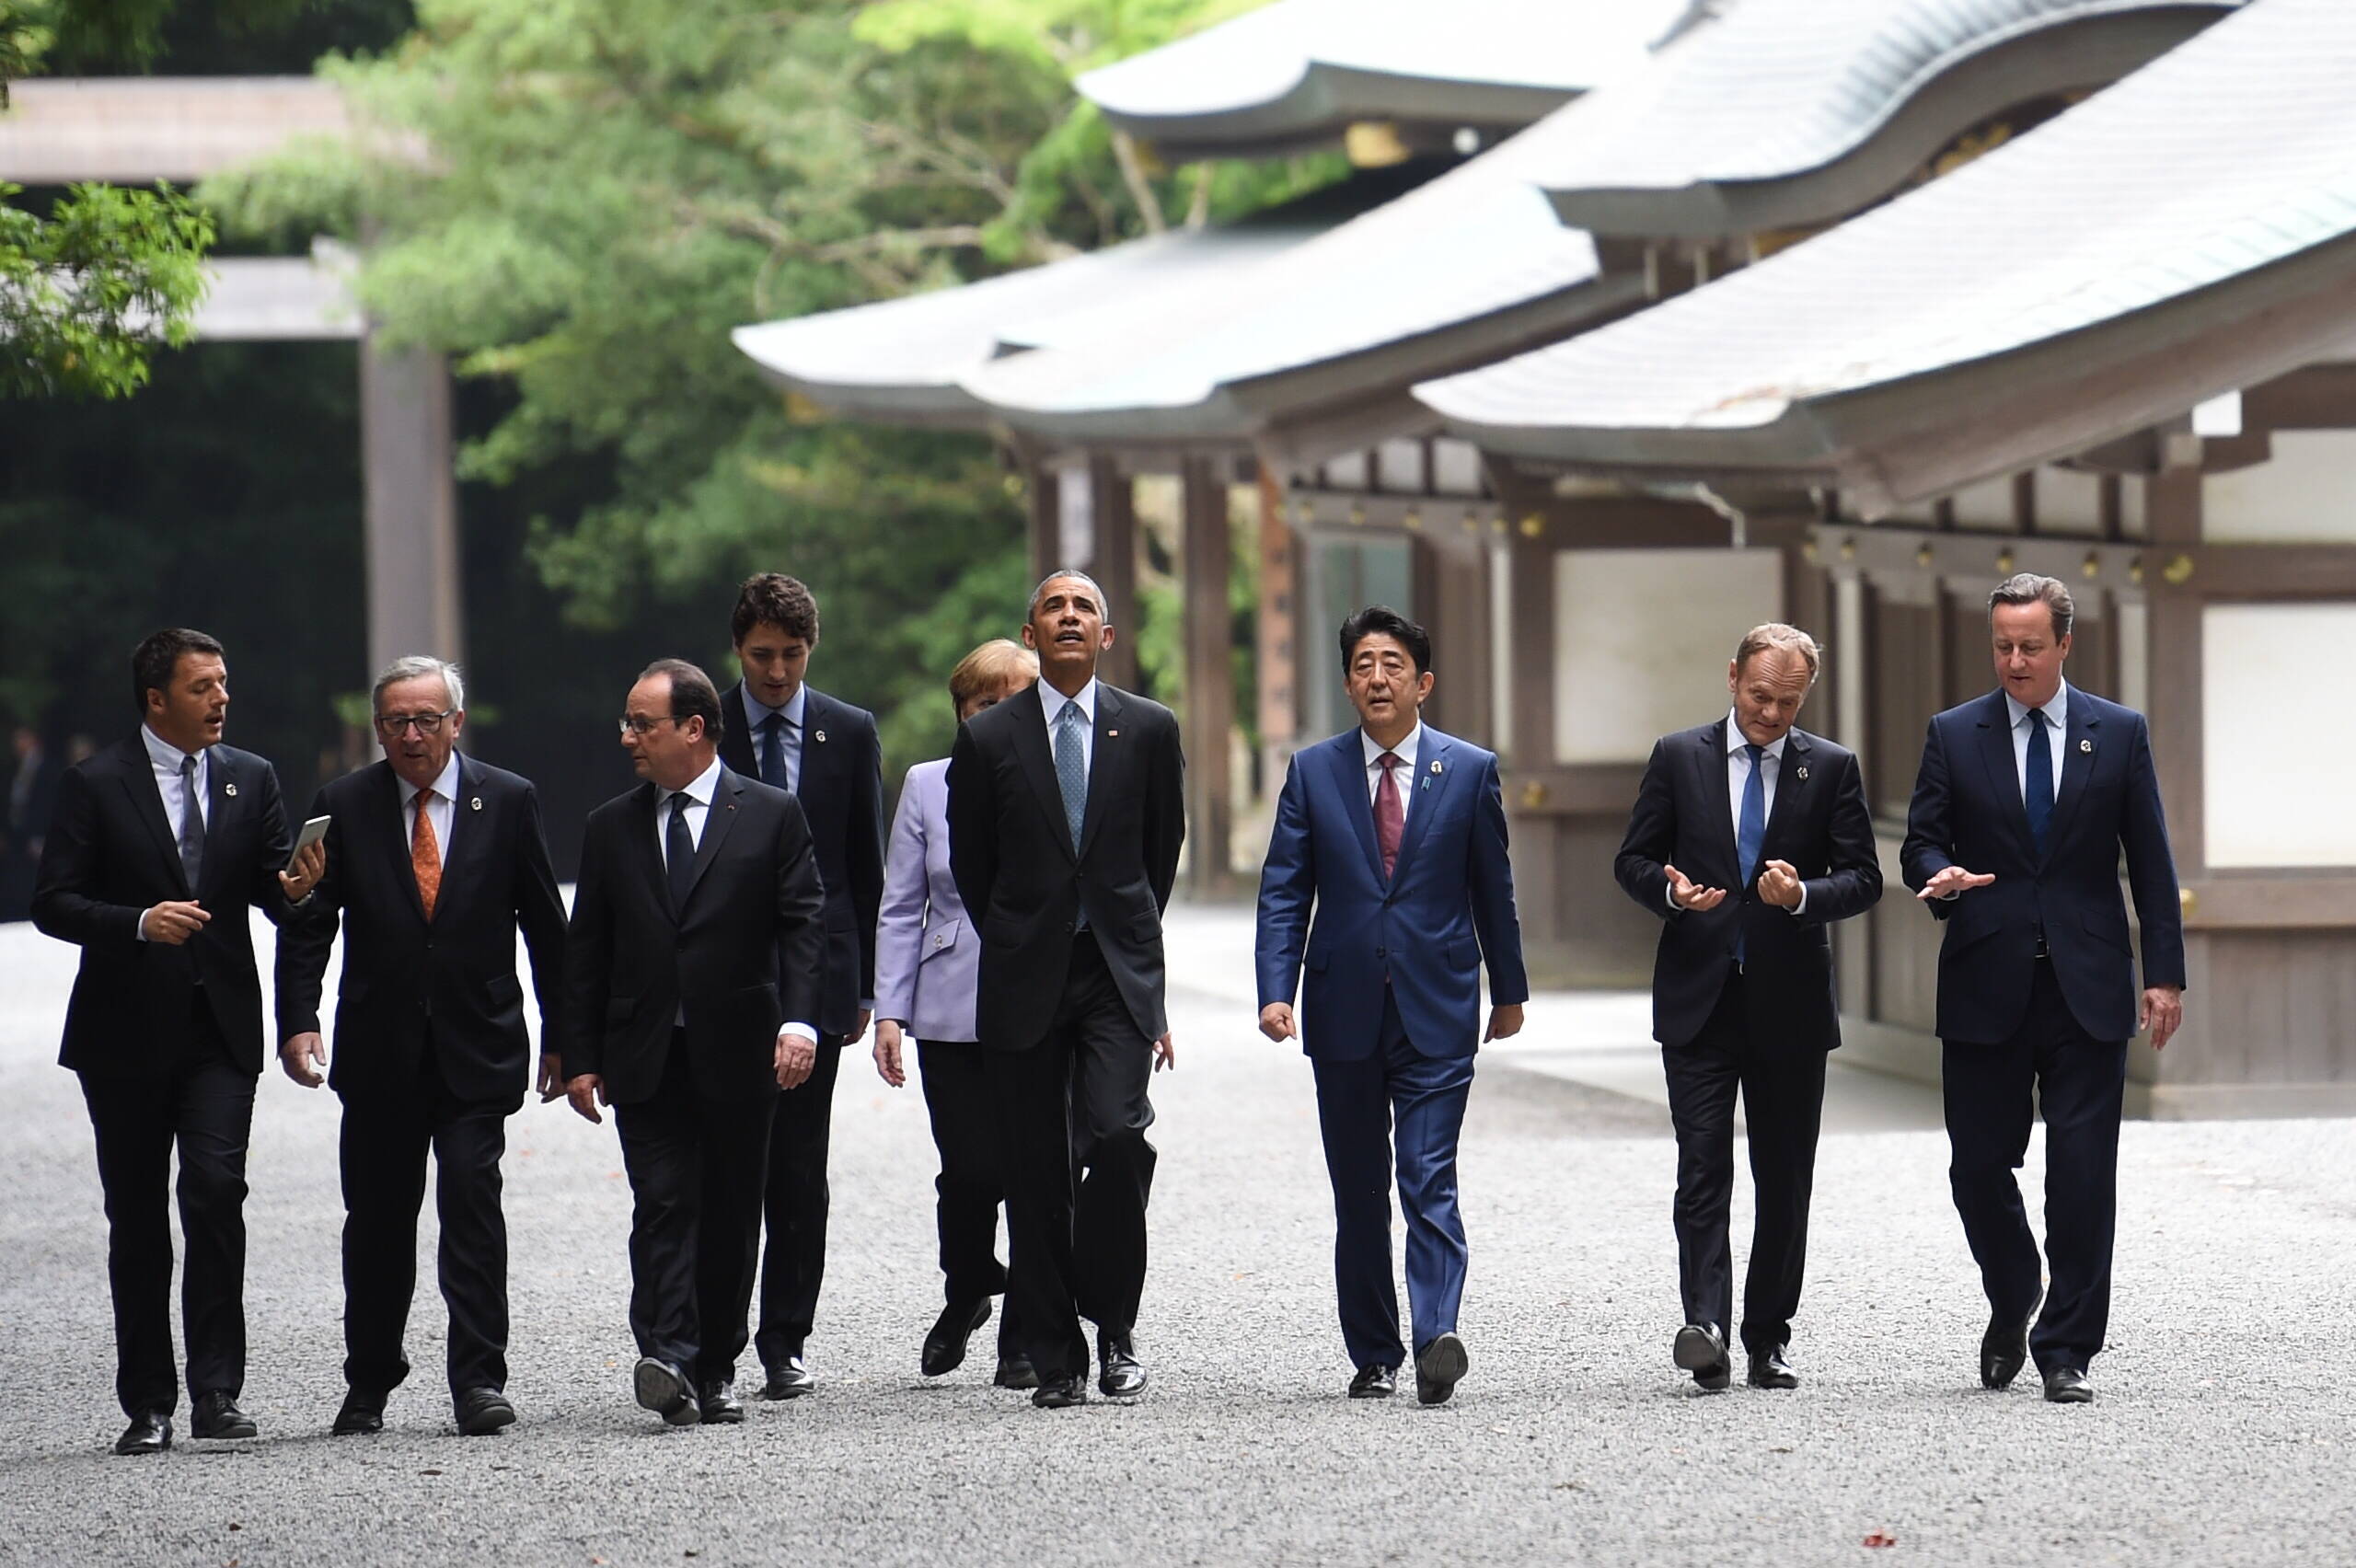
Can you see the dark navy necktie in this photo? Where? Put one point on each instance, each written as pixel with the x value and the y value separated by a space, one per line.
pixel 679 850
pixel 191 824
pixel 773 751
pixel 2036 793
pixel 1750 833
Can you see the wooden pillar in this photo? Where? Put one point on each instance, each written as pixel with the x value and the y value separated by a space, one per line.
pixel 1208 700
pixel 1113 561
pixel 1279 638
pixel 1043 488
pixel 411 514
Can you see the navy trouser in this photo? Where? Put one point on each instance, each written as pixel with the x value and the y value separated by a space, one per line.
pixel 1360 1105
pixel 2079 1083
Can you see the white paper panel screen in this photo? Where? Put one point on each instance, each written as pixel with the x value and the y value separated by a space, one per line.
pixel 2277 781
pixel 2305 493
pixel 1642 639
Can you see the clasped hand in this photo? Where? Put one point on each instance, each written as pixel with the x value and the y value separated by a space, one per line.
pixel 1779 885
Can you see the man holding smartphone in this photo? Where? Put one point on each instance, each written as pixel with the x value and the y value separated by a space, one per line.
pixel 434 861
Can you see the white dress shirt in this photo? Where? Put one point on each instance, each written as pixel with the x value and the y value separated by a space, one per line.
pixel 164 758
pixel 2057 713
pixel 1051 702
pixel 756 713
pixel 698 795
pixel 1771 770
pixel 1405 779
pixel 440 807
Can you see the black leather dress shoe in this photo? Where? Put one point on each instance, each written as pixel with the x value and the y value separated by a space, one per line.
pixel 363 1411
pixel 664 1389
pixel 1375 1383
pixel 150 1431
pixel 1440 1366
pixel 1060 1393
pixel 718 1398
pixel 2067 1385
pixel 217 1417
pixel 1770 1370
pixel 1016 1372
pixel 483 1412
pixel 944 1347
pixel 1701 1350
pixel 2003 1350
pixel 1123 1377
pixel 789 1380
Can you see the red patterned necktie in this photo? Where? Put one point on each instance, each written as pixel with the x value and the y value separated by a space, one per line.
pixel 425 856
pixel 1388 819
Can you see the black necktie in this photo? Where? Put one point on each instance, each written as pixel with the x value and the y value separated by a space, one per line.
pixel 191 824
pixel 773 751
pixel 679 849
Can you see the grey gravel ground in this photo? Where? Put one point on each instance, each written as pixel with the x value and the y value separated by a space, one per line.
pixel 2220 1434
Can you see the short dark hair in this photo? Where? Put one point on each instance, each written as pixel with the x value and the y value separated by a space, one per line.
pixel 2028 588
pixel 772 598
pixel 1382 620
pixel 692 693
pixel 158 654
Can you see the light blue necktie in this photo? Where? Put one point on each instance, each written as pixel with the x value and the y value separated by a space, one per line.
pixel 2036 793
pixel 1071 776
pixel 1750 833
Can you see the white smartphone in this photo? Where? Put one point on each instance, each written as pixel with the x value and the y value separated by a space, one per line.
pixel 313 831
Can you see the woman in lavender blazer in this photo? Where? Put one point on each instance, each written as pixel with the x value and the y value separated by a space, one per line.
pixel 927 959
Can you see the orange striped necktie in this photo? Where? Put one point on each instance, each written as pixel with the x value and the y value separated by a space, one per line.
pixel 425 856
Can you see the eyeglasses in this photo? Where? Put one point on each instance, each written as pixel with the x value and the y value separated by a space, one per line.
pixel 631 724
pixel 392 724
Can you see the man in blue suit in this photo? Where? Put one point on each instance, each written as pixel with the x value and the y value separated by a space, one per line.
pixel 2026 798
pixel 1394 834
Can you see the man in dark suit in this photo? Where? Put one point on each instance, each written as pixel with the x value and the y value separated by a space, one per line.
pixel 2026 800
pixel 1743 986
pixel 691 973
pixel 1066 814
pixel 434 862
pixel 159 847
pixel 1395 835
pixel 824 755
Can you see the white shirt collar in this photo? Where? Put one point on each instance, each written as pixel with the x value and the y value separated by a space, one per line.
pixel 446 783
pixel 165 755
pixel 699 790
pixel 1404 750
pixel 2057 710
pixel 1737 740
pixel 1053 701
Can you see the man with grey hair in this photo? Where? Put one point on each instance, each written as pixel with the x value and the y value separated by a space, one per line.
pixel 1750 836
pixel 2026 799
pixel 434 862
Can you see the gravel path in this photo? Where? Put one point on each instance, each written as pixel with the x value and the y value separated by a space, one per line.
pixel 2218 1437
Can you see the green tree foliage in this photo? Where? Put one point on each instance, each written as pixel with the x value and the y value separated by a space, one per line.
pixel 579 198
pixel 87 294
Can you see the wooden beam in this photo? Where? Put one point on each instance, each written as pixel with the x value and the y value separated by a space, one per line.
pixel 1278 627
pixel 1113 561
pixel 1207 713
pixel 1043 491
pixel 410 519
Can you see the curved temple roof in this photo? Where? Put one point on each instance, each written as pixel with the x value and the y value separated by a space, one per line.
pixel 1297 73
pixel 1789 112
pixel 2190 230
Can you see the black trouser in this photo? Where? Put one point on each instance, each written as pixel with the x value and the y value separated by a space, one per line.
pixel 970 1187
pixel 695 1158
pixel 793 1204
pixel 387 1129
pixel 1782 1086
pixel 2078 1083
pixel 203 1102
pixel 1077 1097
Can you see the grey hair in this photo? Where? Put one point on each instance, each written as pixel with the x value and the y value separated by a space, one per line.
pixel 1102 607
pixel 412 666
pixel 1790 638
pixel 2028 588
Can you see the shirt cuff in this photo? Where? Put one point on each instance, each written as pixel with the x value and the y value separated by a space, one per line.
pixel 1669 896
pixel 1801 907
pixel 804 1029
pixel 867 1005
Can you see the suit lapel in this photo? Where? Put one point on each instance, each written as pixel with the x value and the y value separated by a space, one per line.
pixel 1107 757
pixel 1433 772
pixel 817 752
pixel 220 805
pixel 643 851
pixel 2004 777
pixel 393 826
pixel 147 799
pixel 1712 762
pixel 718 818
pixel 1031 751
pixel 2078 753
pixel 1791 780
pixel 1348 755
pixel 462 856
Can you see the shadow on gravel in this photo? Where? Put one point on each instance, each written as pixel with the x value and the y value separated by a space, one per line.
pixel 1510 1101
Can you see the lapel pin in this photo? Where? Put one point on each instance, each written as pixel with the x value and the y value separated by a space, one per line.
pixel 1800 772
pixel 229 790
pixel 1111 735
pixel 819 736
pixel 475 804
pixel 2086 745
pixel 1435 765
